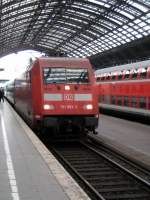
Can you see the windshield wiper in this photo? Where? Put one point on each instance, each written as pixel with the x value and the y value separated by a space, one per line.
pixel 82 77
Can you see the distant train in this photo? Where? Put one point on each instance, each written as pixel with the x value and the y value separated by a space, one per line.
pixel 57 93
pixel 125 89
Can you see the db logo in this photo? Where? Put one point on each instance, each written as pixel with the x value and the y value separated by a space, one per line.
pixel 68 97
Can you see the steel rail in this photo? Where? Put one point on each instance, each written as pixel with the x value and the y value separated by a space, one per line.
pixel 146 183
pixel 131 182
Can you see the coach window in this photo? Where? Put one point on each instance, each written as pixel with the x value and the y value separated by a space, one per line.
pixel 107 77
pixel 143 73
pixel 30 76
pixel 107 99
pixel 101 98
pixel 127 75
pixel 98 79
pixel 126 101
pixel 119 75
pixel 119 100
pixel 142 102
pixel 149 103
pixel 113 100
pixel 113 76
pixel 148 72
pixel 133 102
pixel 102 78
pixel 134 74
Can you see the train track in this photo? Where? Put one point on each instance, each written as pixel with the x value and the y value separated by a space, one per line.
pixel 132 165
pixel 102 172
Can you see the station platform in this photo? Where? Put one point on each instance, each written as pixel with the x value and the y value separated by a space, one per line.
pixel 28 171
pixel 129 138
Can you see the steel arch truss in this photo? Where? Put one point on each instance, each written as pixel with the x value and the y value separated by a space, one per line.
pixel 71 27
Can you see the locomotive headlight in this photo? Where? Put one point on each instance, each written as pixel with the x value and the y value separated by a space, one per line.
pixel 67 87
pixel 48 107
pixel 89 106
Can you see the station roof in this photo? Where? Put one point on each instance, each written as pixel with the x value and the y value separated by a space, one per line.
pixel 81 28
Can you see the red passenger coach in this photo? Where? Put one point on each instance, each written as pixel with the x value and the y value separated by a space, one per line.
pixel 57 93
pixel 125 88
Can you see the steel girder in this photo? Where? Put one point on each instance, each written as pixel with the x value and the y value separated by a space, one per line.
pixel 72 27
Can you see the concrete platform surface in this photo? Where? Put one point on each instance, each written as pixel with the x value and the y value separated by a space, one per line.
pixel 28 171
pixel 130 138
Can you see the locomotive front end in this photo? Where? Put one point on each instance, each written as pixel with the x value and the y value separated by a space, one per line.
pixel 70 97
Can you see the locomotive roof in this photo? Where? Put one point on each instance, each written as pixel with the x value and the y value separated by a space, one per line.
pixel 63 59
pixel 136 65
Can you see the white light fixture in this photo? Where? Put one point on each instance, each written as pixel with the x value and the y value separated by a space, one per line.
pixel 89 106
pixel 67 87
pixel 48 107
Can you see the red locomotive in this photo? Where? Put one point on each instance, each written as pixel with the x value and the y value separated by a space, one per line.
pixel 57 93
pixel 125 88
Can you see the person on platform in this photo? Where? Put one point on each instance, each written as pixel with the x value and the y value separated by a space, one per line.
pixel 1 94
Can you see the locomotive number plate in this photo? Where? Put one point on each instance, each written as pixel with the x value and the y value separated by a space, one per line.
pixel 69 107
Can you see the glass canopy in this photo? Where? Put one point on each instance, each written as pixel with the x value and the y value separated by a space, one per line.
pixel 71 27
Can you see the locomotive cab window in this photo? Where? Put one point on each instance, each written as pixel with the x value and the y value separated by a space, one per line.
pixel 65 75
